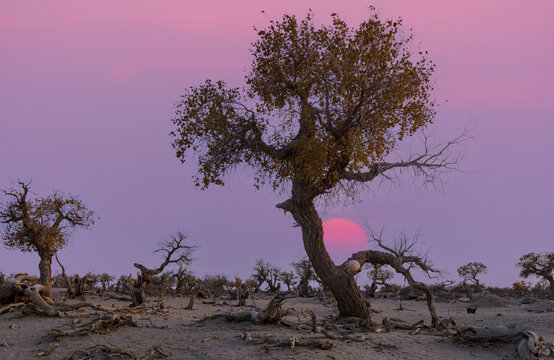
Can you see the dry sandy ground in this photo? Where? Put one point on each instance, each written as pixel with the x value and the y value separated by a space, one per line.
pixel 23 337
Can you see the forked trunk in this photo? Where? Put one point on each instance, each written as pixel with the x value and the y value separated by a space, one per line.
pixel 45 269
pixel 350 300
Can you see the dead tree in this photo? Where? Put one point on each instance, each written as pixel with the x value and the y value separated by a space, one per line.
pixel 184 279
pixel 273 279
pixel 260 273
pixel 41 225
pixel 70 292
pixel 539 265
pixel 471 271
pixel 402 258
pixel 270 314
pixel 175 252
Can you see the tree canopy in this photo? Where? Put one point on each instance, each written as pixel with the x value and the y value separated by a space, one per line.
pixel 321 103
pixel 41 224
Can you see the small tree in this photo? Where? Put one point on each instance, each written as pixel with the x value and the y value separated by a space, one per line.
pixel 184 279
pixel 264 272
pixel 175 251
pixel 323 108
pixel 540 265
pixel 41 224
pixel 379 275
pixel 470 272
pixel 288 279
pixel 274 279
pixel 305 272
pixel 105 280
pixel 260 273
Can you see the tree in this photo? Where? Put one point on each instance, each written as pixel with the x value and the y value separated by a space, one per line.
pixel 323 109
pixel 184 279
pixel 540 265
pixel 379 275
pixel 41 224
pixel 288 279
pixel 105 280
pixel 261 273
pixel 175 251
pixel 264 272
pixel 470 271
pixel 305 272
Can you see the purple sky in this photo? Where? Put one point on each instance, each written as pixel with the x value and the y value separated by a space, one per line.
pixel 87 91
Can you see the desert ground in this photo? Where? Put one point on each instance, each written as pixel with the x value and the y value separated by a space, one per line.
pixel 194 334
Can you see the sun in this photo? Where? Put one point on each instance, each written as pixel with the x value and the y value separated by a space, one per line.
pixel 342 238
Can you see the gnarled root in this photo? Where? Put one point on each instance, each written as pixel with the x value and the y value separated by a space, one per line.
pixel 270 314
pixel 291 342
pixel 11 306
pixel 111 350
pixel 530 344
pixel 100 325
pixel 34 293
pixel 327 333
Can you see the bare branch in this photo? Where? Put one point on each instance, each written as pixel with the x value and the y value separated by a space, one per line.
pixel 429 164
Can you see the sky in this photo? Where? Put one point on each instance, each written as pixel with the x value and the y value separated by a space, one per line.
pixel 88 90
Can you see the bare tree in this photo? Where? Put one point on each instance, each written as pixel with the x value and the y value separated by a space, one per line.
pixel 184 279
pixel 175 251
pixel 471 271
pixel 274 279
pixel 540 265
pixel 402 257
pixel 324 108
pixel 70 287
pixel 42 225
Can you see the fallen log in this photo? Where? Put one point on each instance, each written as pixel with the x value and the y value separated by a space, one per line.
pixel 529 343
pixel 270 314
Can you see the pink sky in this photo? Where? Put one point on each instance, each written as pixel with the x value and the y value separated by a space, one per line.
pixel 342 238
pixel 87 92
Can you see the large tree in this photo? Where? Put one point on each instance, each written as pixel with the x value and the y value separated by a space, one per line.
pixel 41 224
pixel 322 110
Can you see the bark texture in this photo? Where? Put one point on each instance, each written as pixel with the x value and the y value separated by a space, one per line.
pixel 45 268
pixel 350 300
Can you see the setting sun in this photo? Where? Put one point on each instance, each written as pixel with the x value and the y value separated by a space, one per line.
pixel 343 237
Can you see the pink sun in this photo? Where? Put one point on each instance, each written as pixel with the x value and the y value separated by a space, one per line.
pixel 342 238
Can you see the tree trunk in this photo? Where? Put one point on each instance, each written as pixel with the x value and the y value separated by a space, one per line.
pixel 45 268
pixel 372 288
pixel 303 289
pixel 551 281
pixel 350 300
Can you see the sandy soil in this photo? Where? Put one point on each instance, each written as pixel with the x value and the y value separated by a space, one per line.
pixel 23 337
